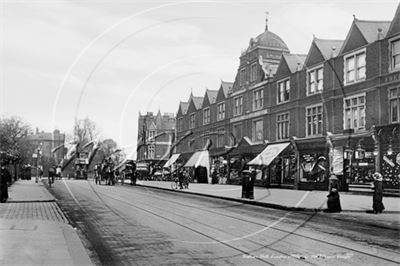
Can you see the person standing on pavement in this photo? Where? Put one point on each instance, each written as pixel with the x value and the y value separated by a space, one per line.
pixel 4 177
pixel 334 199
pixel 377 187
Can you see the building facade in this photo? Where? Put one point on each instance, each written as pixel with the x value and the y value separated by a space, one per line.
pixel 335 110
pixel 156 134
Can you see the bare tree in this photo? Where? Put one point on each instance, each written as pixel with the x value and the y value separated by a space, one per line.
pixel 85 130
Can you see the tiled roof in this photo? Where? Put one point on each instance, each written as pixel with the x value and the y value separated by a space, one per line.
pixel 184 107
pixel 212 95
pixel 369 28
pixel 198 101
pixel 395 24
pixel 325 47
pixel 295 61
pixel 226 86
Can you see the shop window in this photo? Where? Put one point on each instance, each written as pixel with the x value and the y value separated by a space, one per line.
pixel 354 112
pixel 314 167
pixel 394 105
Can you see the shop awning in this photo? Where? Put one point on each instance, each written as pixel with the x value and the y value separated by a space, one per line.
pixel 199 158
pixel 269 154
pixel 172 160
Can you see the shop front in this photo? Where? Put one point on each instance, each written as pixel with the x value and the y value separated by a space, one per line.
pixel 278 164
pixel 359 156
pixel 313 164
pixel 389 150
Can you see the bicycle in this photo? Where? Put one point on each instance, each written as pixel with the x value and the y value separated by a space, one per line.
pixel 175 183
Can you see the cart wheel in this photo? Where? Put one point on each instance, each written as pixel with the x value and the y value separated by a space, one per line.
pixel 174 185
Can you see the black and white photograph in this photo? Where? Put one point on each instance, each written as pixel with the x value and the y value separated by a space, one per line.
pixel 199 132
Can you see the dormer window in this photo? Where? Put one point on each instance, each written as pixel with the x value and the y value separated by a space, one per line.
pixel 395 54
pixel 283 91
pixel 315 80
pixel 354 67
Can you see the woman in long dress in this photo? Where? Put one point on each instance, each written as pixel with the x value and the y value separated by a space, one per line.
pixel 377 204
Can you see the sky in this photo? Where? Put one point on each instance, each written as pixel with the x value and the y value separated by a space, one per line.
pixel 109 60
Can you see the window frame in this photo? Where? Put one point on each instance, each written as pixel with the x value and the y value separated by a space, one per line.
pixel 240 107
pixel 242 76
pixel 220 111
pixel 285 89
pixel 259 100
pixel 285 121
pixel 221 137
pixel 351 108
pixel 253 72
pixel 314 70
pixel 253 129
pixel 312 115
pixel 395 99
pixel 354 55
pixel 206 116
pixel 192 122
pixel 392 67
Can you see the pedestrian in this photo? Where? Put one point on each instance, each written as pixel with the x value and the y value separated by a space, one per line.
pixel 377 187
pixel 4 177
pixel 333 202
pixel 59 171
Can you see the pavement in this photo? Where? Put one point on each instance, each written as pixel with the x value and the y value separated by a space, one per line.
pixel 34 230
pixel 287 199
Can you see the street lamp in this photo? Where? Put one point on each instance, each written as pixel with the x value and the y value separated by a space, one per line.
pixel 390 147
pixel 360 152
pixel 348 153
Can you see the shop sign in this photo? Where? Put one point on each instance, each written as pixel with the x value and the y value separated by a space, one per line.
pixel 369 154
pixel 337 161
pixel 390 162
pixel 398 159
pixel 394 77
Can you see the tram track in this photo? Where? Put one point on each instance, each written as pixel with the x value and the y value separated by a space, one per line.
pixel 262 246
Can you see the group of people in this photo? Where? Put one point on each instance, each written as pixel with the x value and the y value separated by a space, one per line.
pixel 54 172
pixel 106 171
pixel 333 202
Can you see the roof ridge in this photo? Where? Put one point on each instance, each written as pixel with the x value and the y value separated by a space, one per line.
pixel 373 21
pixel 319 39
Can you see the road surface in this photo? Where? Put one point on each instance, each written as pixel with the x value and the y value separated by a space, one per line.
pixel 129 225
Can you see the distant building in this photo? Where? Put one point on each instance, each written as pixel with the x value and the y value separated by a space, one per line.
pixel 156 134
pixel 46 141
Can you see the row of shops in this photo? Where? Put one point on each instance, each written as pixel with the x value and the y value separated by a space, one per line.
pixel 306 164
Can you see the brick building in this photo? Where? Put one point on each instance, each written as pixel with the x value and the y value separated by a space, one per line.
pixel 156 134
pixel 335 110
pixel 46 141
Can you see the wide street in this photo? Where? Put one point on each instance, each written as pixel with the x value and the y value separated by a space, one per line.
pixel 125 225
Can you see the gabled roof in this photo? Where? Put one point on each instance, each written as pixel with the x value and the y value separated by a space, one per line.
pixel 395 25
pixel 211 95
pixel 198 101
pixel 326 47
pixel 365 29
pixel 226 87
pixel 295 62
pixel 183 107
